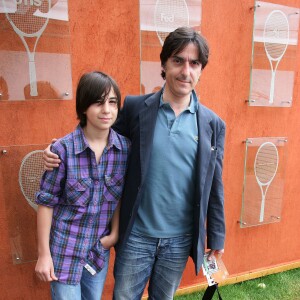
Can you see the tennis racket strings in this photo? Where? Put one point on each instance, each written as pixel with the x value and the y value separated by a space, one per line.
pixel 265 169
pixel 169 15
pixel 24 17
pixel 30 174
pixel 27 25
pixel 276 40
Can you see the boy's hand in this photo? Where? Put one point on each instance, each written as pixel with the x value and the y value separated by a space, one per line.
pixel 44 268
pixel 109 241
pixel 51 160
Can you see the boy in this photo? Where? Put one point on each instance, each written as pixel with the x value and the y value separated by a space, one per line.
pixel 78 213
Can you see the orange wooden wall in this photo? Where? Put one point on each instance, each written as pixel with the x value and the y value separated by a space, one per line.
pixel 105 35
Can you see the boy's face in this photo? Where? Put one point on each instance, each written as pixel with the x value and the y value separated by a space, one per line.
pixel 101 116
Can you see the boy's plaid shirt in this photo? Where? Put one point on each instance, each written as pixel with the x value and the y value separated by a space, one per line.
pixel 84 196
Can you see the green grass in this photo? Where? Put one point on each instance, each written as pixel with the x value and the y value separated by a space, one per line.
pixel 280 286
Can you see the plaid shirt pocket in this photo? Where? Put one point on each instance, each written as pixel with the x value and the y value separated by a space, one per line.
pixel 113 187
pixel 78 191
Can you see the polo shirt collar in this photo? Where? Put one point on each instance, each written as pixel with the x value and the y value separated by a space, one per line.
pixel 193 106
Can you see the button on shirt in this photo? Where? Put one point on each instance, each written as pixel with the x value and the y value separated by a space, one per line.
pixel 83 195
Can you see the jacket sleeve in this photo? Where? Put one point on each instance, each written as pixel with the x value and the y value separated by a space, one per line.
pixel 215 212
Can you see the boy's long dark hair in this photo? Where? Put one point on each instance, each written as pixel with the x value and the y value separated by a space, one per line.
pixel 92 88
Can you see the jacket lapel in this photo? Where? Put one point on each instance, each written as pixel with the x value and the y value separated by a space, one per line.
pixel 204 147
pixel 147 120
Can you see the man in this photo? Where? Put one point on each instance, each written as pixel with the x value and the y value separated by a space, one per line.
pixel 173 195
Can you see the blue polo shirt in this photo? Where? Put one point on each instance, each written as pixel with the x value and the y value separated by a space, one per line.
pixel 166 208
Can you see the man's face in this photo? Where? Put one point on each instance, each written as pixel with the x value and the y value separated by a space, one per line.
pixel 183 71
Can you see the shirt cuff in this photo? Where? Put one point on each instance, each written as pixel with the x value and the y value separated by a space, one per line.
pixel 46 199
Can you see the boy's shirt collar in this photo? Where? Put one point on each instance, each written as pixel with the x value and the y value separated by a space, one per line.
pixel 81 143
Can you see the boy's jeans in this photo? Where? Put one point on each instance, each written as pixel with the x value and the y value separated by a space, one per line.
pixel 89 288
pixel 162 260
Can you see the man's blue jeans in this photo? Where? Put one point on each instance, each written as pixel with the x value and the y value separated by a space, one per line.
pixel 159 260
pixel 89 288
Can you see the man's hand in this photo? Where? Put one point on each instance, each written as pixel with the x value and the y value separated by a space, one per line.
pixel 44 268
pixel 216 253
pixel 51 160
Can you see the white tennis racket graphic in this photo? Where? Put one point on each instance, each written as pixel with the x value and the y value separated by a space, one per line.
pixel 27 25
pixel 30 174
pixel 265 168
pixel 276 39
pixel 169 15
